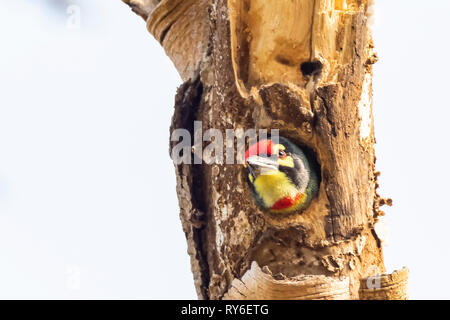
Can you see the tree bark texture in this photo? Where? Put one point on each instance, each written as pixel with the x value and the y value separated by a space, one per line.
pixel 303 67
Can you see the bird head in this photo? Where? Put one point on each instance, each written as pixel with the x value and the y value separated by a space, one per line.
pixel 281 175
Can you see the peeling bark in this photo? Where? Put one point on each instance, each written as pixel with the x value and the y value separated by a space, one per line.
pixel 303 67
pixel 263 285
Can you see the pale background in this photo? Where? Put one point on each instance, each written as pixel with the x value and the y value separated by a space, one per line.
pixel 88 207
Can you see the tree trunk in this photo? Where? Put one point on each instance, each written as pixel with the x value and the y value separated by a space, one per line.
pixel 303 67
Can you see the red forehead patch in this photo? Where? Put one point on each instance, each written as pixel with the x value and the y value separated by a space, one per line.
pixel 261 148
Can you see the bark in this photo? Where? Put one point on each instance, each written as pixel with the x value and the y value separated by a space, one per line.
pixel 303 67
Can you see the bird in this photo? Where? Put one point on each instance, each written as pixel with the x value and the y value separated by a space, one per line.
pixel 282 177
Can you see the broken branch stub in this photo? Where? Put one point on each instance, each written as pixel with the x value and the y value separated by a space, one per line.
pixel 181 27
pixel 142 7
pixel 260 285
pixel 392 286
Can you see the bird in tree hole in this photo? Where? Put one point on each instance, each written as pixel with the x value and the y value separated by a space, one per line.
pixel 282 176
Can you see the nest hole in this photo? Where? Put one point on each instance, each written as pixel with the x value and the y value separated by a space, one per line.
pixel 311 68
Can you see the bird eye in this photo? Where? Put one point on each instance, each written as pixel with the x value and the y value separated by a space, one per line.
pixel 281 154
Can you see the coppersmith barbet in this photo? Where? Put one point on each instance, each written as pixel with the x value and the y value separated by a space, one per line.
pixel 282 177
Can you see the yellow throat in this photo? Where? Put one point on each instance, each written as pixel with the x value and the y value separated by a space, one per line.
pixel 273 186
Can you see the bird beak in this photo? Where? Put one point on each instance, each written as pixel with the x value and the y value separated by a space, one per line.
pixel 262 165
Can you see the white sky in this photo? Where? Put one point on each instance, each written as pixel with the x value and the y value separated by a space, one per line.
pixel 88 207
pixel 411 122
